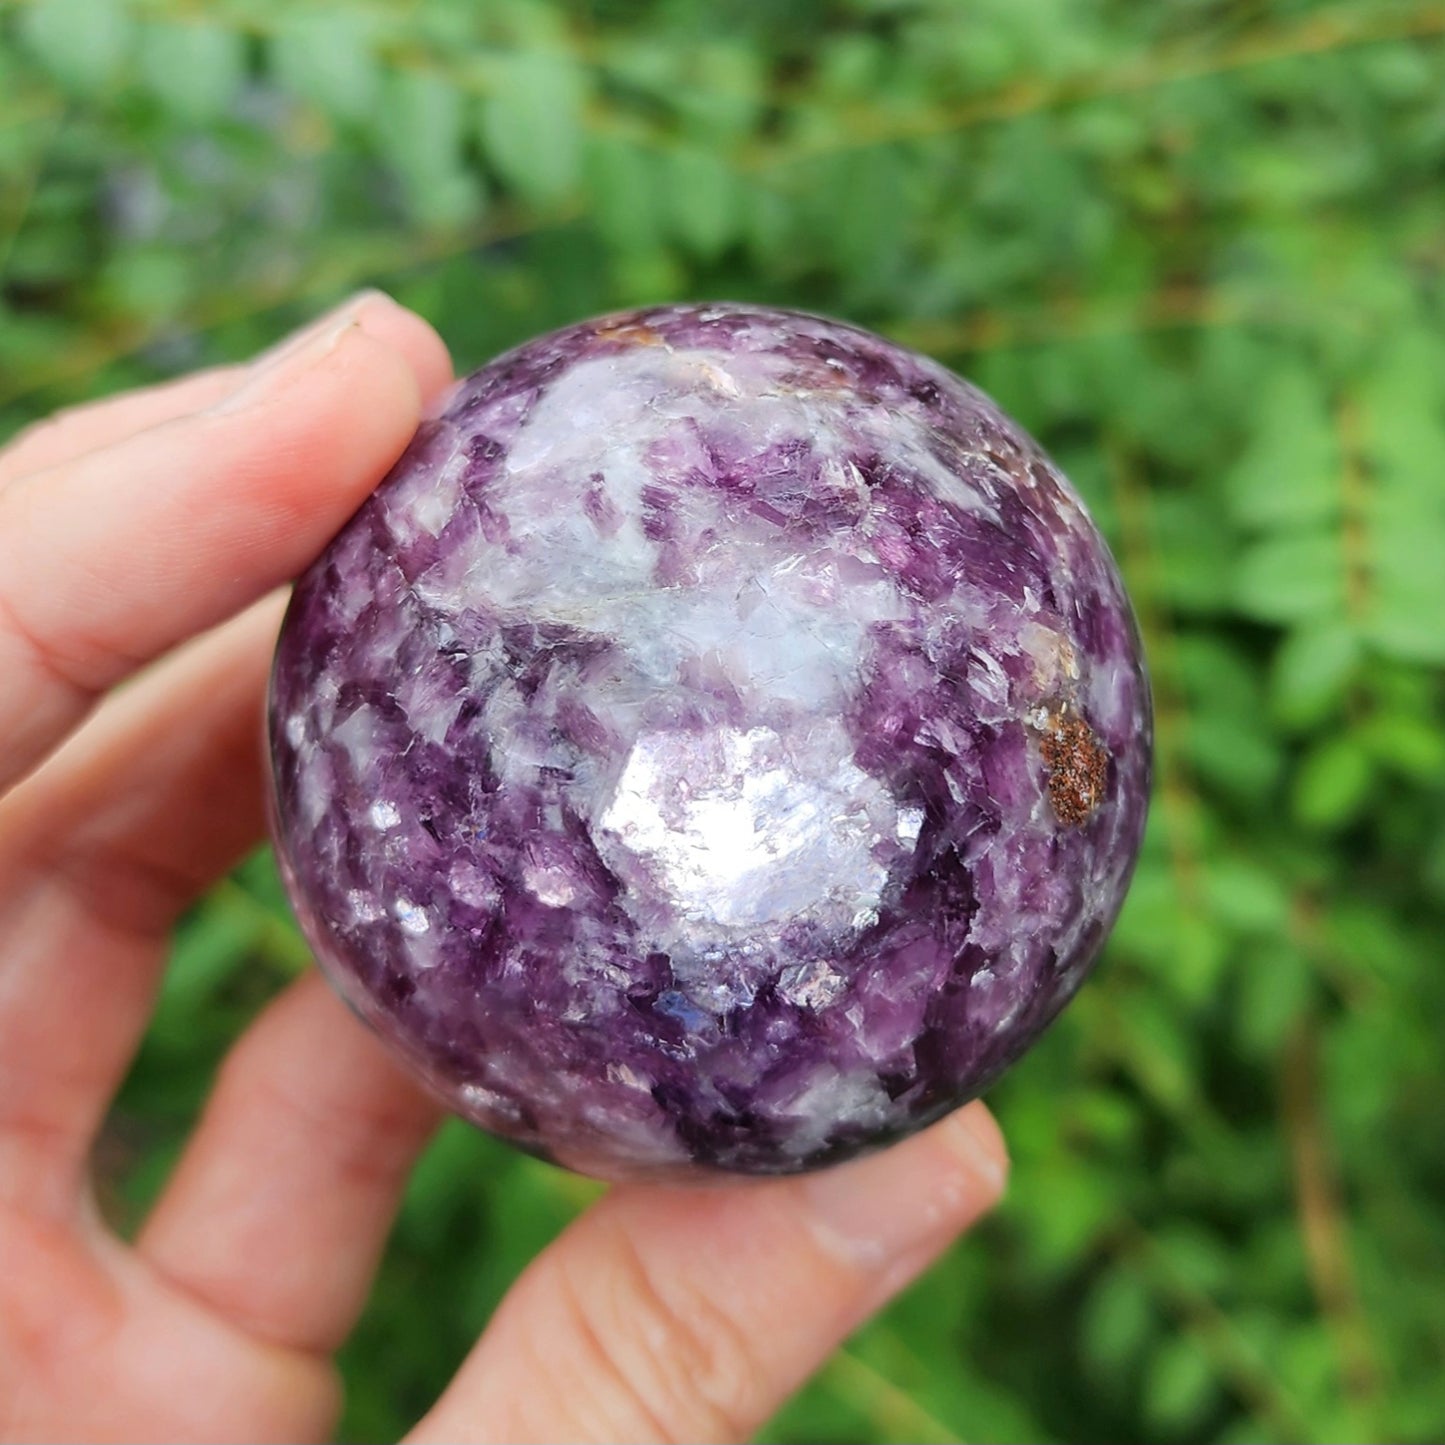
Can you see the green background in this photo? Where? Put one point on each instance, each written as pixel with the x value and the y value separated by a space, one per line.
pixel 1197 247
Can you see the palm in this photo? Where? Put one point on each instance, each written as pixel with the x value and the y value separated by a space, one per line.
pixel 125 529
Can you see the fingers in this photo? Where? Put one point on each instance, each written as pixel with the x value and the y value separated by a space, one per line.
pixel 282 1202
pixel 94 1348
pixel 77 430
pixel 692 1314
pixel 110 558
pixel 158 794
pixel 163 790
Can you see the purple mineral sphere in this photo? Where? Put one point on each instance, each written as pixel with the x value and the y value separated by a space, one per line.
pixel 721 743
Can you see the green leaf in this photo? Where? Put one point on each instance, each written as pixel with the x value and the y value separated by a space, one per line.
pixel 722 94
pixel 424 129
pixel 440 1184
pixel 1292 578
pixel 1235 753
pixel 214 943
pixel 701 199
pixel 1370 937
pixel 1289 474
pixel 1312 669
pixel 423 123
pixel 1197 1256
pixel 1432 870
pixel 1247 896
pixel 624 184
pixel 1333 783
pixel 82 43
pixel 1197 552
pixel 1196 958
pixel 865 199
pixel 147 281
pixel 1151 909
pixel 326 55
pixel 770 225
pixel 1106 1116
pixel 1408 578
pixel 1154 1037
pixel 1410 746
pixel 1402 406
pixel 1409 631
pixel 194 68
pixel 1402 400
pixel 1179 1385
pixel 1273 990
pixel 1080 1209
pixel 260 877
pixel 1117 1321
pixel 533 124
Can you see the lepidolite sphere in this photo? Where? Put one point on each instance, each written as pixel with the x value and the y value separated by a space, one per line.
pixel 720 743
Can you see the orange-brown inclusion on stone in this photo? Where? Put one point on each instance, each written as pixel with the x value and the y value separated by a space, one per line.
pixel 1078 769
pixel 632 335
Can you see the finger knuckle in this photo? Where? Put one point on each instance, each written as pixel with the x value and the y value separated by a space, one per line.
pixel 677 1358
pixel 56 1310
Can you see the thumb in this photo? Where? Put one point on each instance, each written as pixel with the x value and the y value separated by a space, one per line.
pixel 693 1313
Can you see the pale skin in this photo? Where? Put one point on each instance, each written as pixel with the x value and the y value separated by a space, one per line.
pixel 143 541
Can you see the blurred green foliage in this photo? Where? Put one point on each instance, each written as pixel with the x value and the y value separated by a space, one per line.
pixel 1197 247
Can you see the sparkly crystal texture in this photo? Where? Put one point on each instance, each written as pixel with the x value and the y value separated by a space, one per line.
pixel 721 743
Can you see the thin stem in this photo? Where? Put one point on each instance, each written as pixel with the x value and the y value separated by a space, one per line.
pixel 1169 307
pixel 274 939
pixel 390 257
pixel 1178 796
pixel 1235 1360
pixel 890 1408
pixel 1354 508
pixel 1321 1212
pixel 1317 34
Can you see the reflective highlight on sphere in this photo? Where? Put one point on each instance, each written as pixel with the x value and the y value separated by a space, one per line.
pixel 720 743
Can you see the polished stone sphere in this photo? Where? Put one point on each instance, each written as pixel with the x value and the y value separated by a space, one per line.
pixel 721 743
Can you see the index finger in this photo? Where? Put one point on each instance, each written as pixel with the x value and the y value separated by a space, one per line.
pixel 75 430
pixel 109 559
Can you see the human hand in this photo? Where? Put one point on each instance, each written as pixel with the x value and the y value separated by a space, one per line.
pixel 128 530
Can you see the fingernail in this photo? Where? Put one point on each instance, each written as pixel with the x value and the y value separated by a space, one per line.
pixel 304 348
pixel 914 1197
pixel 340 315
